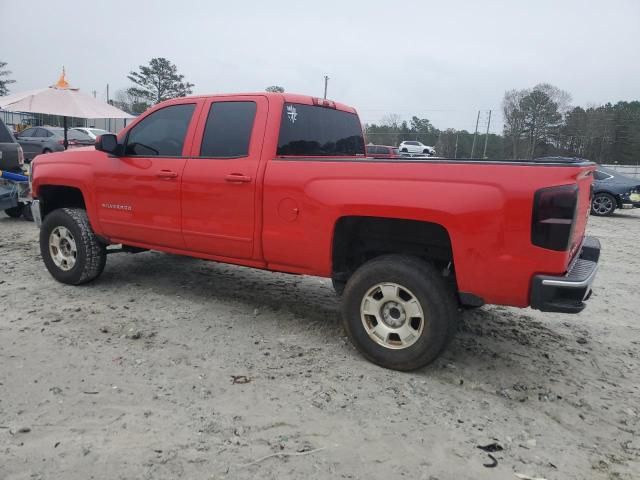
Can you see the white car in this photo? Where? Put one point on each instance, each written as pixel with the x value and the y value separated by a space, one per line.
pixel 411 146
pixel 92 132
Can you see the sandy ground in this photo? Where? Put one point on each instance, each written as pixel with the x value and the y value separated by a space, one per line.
pixel 170 367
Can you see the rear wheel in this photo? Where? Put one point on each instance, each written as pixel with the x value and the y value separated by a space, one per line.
pixel 603 205
pixel 71 251
pixel 398 312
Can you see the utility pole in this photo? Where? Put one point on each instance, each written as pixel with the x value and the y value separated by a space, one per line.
pixel 473 145
pixel 109 128
pixel 486 138
pixel 94 94
pixel 326 81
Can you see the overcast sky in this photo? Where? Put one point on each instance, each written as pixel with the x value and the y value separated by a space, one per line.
pixel 439 60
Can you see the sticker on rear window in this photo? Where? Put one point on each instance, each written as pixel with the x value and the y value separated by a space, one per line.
pixel 292 113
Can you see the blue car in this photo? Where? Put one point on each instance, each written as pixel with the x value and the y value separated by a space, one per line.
pixel 612 190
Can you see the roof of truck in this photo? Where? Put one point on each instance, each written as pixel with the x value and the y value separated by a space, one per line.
pixel 287 97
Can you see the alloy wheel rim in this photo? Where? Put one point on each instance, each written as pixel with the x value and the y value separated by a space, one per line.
pixel 62 248
pixel 392 315
pixel 602 204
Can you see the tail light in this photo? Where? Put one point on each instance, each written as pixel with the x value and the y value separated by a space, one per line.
pixel 20 155
pixel 323 102
pixel 554 212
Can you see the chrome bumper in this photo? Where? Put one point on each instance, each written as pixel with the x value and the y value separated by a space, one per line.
pixel 568 293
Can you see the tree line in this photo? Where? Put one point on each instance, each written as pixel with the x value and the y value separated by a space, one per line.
pixel 538 121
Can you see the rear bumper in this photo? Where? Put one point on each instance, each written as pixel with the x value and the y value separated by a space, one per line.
pixel 568 293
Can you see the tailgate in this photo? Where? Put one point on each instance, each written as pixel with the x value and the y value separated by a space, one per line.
pixel 584 181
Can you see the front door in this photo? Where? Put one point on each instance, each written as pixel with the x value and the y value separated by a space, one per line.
pixel 138 193
pixel 220 177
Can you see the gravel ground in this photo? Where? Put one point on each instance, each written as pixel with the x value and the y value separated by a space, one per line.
pixel 170 367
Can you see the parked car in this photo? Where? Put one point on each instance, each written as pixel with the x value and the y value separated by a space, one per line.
pixel 613 190
pixel 37 140
pixel 382 151
pixel 411 146
pixel 281 182
pixel 91 132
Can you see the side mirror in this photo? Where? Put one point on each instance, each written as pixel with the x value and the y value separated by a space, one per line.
pixel 107 143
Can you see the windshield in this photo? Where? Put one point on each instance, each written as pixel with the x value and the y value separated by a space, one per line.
pixel 97 131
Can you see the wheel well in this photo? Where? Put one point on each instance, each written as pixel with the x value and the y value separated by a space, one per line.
pixel 53 197
pixel 359 239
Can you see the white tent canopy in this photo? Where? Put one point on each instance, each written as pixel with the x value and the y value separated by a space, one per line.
pixel 60 99
pixel 63 102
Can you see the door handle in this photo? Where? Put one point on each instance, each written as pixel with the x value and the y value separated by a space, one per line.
pixel 166 174
pixel 237 178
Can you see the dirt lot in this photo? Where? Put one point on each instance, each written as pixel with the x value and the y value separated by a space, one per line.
pixel 169 367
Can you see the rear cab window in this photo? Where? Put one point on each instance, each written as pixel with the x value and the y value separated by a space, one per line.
pixel 314 131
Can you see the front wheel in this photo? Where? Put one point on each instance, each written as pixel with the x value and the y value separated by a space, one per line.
pixel 14 212
pixel 398 312
pixel 71 251
pixel 603 205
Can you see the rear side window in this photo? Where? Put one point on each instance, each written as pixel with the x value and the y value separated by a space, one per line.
pixel 306 130
pixel 28 132
pixel 598 175
pixel 227 132
pixel 161 133
pixel 5 135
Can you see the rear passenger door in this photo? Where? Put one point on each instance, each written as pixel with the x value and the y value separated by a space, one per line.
pixel 220 178
pixel 26 141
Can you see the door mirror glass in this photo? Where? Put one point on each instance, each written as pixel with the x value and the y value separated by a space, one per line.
pixel 107 143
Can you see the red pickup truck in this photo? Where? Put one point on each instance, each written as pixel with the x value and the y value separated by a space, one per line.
pixel 281 182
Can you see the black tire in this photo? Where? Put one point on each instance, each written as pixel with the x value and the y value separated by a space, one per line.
pixel 26 212
pixel 91 254
pixel 404 150
pixel 14 212
pixel 603 205
pixel 435 298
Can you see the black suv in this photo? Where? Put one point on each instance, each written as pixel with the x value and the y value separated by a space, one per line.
pixel 11 160
pixel 11 155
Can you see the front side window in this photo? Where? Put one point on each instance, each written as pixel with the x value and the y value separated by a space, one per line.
pixel 307 130
pixel 227 132
pixel 161 133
